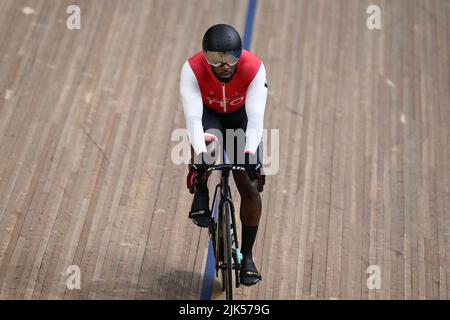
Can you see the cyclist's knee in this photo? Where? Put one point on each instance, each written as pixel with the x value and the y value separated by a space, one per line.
pixel 249 191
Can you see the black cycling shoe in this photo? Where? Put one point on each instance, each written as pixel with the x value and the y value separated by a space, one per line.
pixel 249 275
pixel 200 213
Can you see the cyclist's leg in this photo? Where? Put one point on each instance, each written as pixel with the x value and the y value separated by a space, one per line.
pixel 250 212
pixel 250 209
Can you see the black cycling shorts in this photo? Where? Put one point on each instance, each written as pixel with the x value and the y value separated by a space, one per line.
pixel 214 122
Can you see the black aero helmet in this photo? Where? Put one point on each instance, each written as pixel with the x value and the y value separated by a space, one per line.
pixel 222 38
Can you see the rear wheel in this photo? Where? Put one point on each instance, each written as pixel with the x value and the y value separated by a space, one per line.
pixel 220 249
pixel 223 279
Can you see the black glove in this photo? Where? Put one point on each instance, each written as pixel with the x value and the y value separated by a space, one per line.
pixel 200 168
pixel 252 166
pixel 196 171
pixel 252 170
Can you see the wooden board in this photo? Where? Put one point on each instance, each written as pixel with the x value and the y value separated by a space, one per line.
pixel 86 177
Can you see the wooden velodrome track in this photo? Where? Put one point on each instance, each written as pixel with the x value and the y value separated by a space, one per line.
pixel 86 177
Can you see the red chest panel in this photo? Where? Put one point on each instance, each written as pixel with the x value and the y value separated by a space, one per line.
pixel 225 97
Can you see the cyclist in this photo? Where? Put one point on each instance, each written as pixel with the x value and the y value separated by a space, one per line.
pixel 224 87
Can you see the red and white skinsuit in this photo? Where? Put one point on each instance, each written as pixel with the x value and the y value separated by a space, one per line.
pixel 248 88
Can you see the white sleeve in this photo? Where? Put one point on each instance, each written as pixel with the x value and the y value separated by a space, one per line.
pixel 191 99
pixel 255 106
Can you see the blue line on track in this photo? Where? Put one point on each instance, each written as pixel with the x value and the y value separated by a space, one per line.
pixel 249 24
pixel 210 267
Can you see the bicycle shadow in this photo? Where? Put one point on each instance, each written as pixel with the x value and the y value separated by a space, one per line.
pixel 180 285
pixel 171 285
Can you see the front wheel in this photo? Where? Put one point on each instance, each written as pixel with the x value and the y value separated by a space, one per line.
pixel 228 256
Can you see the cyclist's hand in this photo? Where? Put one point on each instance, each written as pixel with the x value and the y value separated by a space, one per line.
pixel 200 168
pixel 252 166
pixel 261 177
pixel 196 171
pixel 252 170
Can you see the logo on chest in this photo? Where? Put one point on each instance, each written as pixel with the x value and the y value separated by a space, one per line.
pixel 217 99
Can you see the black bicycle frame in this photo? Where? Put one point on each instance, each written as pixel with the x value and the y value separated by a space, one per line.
pixel 225 196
